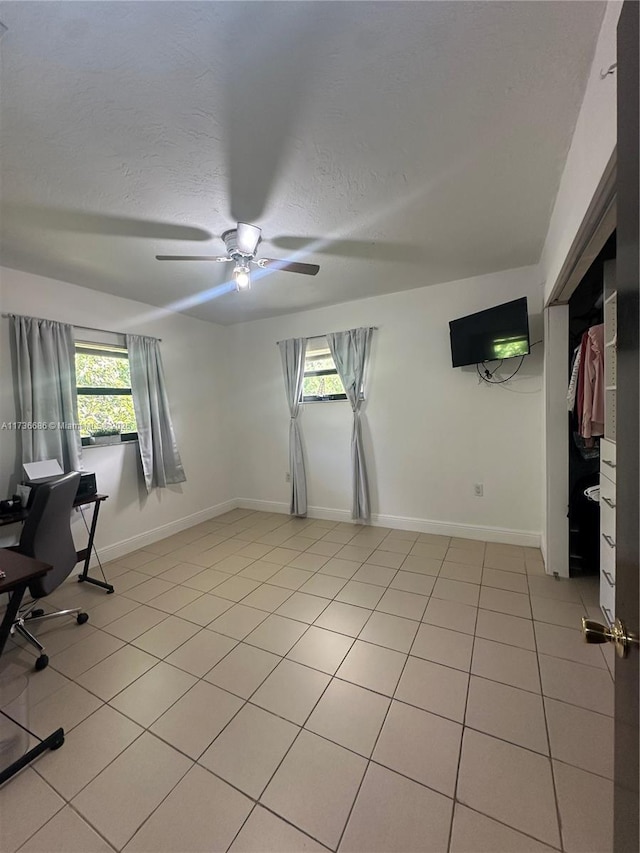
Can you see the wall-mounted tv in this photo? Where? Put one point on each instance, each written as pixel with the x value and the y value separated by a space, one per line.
pixel 500 332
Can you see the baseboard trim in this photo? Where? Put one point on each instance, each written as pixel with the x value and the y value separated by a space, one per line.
pixel 506 536
pixel 134 543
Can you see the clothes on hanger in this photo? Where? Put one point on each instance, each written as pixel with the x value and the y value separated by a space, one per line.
pixel 585 395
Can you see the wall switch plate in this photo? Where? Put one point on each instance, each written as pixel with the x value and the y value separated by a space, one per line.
pixel 478 490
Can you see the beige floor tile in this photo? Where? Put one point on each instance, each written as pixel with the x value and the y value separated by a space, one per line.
pixel 88 749
pixel 134 624
pixel 130 579
pixel 113 608
pixel 433 687
pixel 428 551
pixel 264 831
pixel 504 601
pixel 116 672
pixel 504 562
pixel 201 813
pixel 413 582
pixel 440 645
pixel 393 632
pixel 207 580
pixel 373 667
pixel 476 833
pixel 281 556
pixel 385 558
pixel 326 586
pixel 234 564
pixel 396 815
pixel 291 691
pixel 166 637
pixel 66 832
pixel 204 610
pixel 315 787
pixel 585 803
pixel 471 544
pixel 451 615
pixel 63 709
pixel 340 535
pixel 276 634
pixel 144 592
pixel 343 618
pixel 267 597
pixel 420 745
pixel 355 553
pixel 58 634
pixel 155 691
pixel 359 727
pixel 505 580
pixel 508 783
pixel 510 630
pixel 502 549
pixel 566 643
pixel 249 750
pixel 396 545
pixel 119 800
pixel 399 603
pixel 290 578
pixel 423 565
pixel 324 548
pixel 465 556
pixel 180 573
pixel 238 621
pixel 560 589
pixel 308 562
pixel 453 590
pixel 243 670
pixel 197 718
pixel 202 652
pixel 507 712
pixel 137 558
pixel 26 803
pixel 577 684
pixel 581 738
pixel 260 571
pixel 339 568
pixel 303 607
pixel 361 594
pixel 236 588
pixel 321 649
pixel 80 657
pixel 461 572
pixel 564 613
pixel 507 664
pixel 378 575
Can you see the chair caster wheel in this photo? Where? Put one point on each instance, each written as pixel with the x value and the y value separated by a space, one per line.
pixel 35 614
pixel 42 662
pixel 81 618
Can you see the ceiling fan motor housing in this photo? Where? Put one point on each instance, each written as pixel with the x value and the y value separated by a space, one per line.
pixel 235 247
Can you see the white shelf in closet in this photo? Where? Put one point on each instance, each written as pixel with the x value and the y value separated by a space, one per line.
pixel 608 452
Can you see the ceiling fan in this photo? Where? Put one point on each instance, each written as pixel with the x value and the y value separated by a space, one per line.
pixel 242 243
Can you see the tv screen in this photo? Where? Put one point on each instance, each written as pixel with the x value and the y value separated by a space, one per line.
pixel 500 332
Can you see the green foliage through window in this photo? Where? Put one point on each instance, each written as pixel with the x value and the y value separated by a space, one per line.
pixel 104 389
pixel 321 380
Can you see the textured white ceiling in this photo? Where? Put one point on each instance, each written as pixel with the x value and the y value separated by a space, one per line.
pixel 423 141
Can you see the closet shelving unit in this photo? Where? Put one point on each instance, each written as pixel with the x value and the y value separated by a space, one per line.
pixel 608 450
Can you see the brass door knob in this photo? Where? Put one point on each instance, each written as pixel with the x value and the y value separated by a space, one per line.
pixel 595 632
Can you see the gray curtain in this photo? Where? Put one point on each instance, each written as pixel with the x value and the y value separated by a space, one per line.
pixel 350 351
pixel 45 378
pixel 161 461
pixel 292 353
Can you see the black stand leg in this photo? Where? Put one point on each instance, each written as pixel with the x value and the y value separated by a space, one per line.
pixel 54 741
pixel 15 599
pixel 86 554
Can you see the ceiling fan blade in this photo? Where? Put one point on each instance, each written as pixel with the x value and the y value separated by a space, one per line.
pixel 247 238
pixel 367 249
pixel 220 260
pixel 288 266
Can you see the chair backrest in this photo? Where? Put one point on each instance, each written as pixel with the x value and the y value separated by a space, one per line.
pixel 46 534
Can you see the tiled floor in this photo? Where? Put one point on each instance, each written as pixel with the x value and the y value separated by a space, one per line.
pixel 259 683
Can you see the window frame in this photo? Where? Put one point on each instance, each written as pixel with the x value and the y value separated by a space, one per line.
pixel 327 398
pixel 110 351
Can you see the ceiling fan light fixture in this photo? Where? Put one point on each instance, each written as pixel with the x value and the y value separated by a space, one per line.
pixel 242 277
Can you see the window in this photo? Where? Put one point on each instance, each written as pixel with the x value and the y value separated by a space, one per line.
pixel 321 380
pixel 105 404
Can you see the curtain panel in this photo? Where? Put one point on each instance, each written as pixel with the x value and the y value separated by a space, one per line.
pixel 350 351
pixel 159 454
pixel 292 353
pixel 45 380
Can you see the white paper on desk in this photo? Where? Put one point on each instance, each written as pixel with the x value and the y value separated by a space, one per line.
pixel 46 468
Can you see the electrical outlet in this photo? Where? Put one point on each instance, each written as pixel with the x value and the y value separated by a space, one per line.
pixel 287 477
pixel 478 490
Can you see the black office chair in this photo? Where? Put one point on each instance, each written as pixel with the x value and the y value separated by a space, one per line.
pixel 46 536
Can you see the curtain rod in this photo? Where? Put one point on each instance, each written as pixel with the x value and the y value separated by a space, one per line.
pixel 315 337
pixel 88 328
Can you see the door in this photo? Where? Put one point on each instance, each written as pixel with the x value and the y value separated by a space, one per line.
pixel 627 674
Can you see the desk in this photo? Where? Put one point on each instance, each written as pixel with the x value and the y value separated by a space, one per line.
pixel 84 554
pixel 20 571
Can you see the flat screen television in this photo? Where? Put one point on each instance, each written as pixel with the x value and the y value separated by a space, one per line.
pixel 497 333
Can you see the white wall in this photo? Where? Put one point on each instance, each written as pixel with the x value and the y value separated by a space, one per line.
pixel 432 431
pixel 593 143
pixel 195 361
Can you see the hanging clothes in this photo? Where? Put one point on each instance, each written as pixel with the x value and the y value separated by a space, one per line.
pixel 593 383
